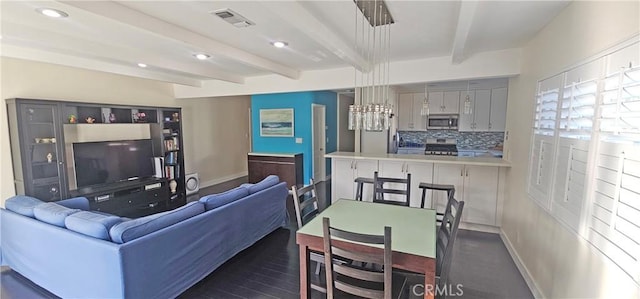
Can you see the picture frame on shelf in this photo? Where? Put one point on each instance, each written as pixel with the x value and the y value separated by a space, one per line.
pixel 276 122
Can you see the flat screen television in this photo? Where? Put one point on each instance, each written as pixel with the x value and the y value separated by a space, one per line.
pixel 106 162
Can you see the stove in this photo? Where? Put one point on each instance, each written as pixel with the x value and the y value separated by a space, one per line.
pixel 441 147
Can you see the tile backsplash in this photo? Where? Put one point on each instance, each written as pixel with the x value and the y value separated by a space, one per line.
pixel 465 140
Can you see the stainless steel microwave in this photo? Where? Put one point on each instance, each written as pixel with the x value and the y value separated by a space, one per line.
pixel 442 122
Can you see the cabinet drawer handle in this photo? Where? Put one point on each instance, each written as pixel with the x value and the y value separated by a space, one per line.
pixel 461 172
pixel 467 172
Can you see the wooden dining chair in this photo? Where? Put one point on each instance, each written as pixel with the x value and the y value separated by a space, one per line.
pixel 367 282
pixel 305 202
pixel 381 187
pixel 446 235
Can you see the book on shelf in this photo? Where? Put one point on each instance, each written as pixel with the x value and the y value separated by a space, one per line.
pixel 171 144
pixel 169 172
pixel 158 165
pixel 172 158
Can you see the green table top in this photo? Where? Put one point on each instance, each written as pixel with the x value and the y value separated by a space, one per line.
pixel 413 230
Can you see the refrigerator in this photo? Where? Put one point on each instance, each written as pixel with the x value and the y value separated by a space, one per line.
pixel 380 142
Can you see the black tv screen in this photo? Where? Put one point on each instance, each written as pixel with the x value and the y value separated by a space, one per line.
pixel 112 161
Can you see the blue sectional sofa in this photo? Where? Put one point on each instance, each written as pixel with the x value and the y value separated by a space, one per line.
pixel 76 253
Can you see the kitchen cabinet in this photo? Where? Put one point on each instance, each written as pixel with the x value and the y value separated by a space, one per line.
pixel 420 173
pixel 477 118
pixel 477 186
pixel 487 113
pixel 345 171
pixel 498 114
pixel 444 102
pixel 409 112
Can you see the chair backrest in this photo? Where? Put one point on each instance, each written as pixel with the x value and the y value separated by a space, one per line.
pixel 446 236
pixel 305 201
pixel 381 188
pixel 341 276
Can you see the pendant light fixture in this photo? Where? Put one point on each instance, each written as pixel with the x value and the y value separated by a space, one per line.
pixel 425 104
pixel 371 110
pixel 467 102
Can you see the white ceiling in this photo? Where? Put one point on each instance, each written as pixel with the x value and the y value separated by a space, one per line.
pixel 114 36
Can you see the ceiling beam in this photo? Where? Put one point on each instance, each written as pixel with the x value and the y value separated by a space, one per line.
pixel 134 18
pixel 127 56
pixel 465 20
pixel 306 22
pixel 28 53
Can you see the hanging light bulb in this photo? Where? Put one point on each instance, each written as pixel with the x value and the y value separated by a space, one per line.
pixel 467 102
pixel 371 109
pixel 425 104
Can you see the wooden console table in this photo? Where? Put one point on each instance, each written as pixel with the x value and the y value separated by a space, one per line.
pixel 287 166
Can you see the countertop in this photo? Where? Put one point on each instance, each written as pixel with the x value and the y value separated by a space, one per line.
pixel 479 161
pixel 289 155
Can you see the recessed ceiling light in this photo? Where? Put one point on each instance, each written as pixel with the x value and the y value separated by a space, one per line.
pixel 142 65
pixel 201 56
pixel 53 13
pixel 279 44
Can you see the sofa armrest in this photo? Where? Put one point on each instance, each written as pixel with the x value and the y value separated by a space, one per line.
pixel 81 203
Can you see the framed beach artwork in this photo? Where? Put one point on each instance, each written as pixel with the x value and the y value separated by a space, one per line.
pixel 276 122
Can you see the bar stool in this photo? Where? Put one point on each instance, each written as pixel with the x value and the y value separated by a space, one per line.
pixel 360 181
pixel 451 190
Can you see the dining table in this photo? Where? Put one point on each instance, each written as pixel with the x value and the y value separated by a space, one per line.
pixel 413 237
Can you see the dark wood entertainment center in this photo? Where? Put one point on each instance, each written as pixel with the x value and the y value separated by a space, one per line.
pixel 42 133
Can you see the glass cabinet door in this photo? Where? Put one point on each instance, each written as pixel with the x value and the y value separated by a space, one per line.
pixel 44 158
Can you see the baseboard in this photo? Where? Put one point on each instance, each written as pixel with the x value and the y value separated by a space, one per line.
pixel 204 184
pixel 533 287
pixel 479 227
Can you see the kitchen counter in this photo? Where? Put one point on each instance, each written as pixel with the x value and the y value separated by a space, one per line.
pixel 478 161
pixel 265 154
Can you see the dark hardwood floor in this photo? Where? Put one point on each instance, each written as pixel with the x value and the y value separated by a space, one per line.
pixel 269 268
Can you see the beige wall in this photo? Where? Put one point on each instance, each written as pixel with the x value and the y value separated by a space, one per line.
pixel 561 264
pixel 220 124
pixel 218 137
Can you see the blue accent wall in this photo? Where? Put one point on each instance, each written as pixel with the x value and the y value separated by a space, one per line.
pixel 302 125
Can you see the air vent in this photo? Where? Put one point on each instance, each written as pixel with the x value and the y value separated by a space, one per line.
pixel 233 18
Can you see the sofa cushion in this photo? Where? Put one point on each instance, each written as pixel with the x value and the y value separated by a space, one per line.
pixel 264 184
pixel 220 199
pixel 22 204
pixel 53 213
pixel 81 203
pixel 129 230
pixel 92 224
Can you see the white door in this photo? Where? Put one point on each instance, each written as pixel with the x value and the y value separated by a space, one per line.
pixel 319 142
